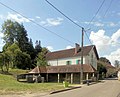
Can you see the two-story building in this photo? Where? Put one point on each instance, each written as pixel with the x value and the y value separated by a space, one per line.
pixel 67 64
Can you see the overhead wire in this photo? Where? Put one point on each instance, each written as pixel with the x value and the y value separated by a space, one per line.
pixel 36 23
pixel 96 12
pixel 68 18
pixel 104 16
pixel 94 18
pixel 63 14
pixel 108 8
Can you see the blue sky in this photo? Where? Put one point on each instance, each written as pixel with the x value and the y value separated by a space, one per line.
pixel 104 30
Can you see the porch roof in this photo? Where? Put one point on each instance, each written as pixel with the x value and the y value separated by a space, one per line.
pixel 64 69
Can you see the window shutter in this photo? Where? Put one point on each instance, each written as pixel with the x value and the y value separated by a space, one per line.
pixel 76 61
pixel 70 62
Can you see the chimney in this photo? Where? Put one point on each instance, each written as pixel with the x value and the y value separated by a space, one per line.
pixel 77 48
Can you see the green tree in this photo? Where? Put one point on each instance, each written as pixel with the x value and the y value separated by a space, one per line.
pixel 16 33
pixel 9 29
pixel 38 47
pixel 117 64
pixel 1 61
pixel 7 60
pixel 105 60
pixel 12 52
pixel 23 60
pixel 102 70
pixel 41 58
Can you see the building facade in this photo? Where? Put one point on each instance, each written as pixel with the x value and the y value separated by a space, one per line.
pixel 73 56
pixel 66 64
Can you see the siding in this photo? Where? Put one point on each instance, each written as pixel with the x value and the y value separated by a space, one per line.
pixel 59 62
pixel 88 59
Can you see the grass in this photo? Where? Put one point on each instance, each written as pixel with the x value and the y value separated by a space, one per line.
pixel 9 84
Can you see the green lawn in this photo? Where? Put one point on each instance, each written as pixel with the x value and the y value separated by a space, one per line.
pixel 8 84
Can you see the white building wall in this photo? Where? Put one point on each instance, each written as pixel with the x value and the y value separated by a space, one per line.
pixel 88 59
pixel 92 59
pixel 63 61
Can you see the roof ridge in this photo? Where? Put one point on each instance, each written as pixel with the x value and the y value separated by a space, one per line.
pixel 69 49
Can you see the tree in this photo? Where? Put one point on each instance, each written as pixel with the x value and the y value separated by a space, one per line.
pixel 117 64
pixel 22 60
pixel 105 60
pixel 41 58
pixel 38 47
pixel 102 70
pixel 16 33
pixel 12 52
pixel 9 30
pixel 7 60
pixel 1 61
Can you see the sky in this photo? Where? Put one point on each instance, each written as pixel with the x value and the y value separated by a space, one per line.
pixel 103 31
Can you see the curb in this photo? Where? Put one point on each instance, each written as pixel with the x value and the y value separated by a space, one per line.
pixel 65 90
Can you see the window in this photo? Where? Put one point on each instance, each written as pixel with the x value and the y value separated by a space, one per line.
pixel 68 62
pixel 78 62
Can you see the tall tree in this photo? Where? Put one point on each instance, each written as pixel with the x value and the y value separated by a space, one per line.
pixel 102 70
pixel 117 64
pixel 9 30
pixel 1 61
pixel 16 33
pixel 38 47
pixel 41 58
pixel 105 60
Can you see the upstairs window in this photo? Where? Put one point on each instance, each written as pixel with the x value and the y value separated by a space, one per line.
pixel 78 62
pixel 68 62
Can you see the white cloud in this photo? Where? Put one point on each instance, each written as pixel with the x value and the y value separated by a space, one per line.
pixel 100 39
pixel 69 47
pixel 1 17
pixel 106 43
pixel 42 22
pixel 115 55
pixel 97 24
pixel 52 22
pixel 17 17
pixel 50 48
pixel 37 17
pixel 111 24
pixel 115 36
pixel 1 34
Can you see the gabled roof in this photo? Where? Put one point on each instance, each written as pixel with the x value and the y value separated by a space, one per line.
pixel 70 53
pixel 64 69
pixel 109 66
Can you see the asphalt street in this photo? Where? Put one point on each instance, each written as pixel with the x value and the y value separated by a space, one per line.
pixel 106 88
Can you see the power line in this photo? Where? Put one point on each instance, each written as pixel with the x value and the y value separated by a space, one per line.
pixel 96 13
pixel 36 23
pixel 108 8
pixel 63 14
pixel 88 37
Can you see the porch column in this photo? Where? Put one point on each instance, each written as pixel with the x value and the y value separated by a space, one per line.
pixel 47 77
pixel 71 78
pixel 87 75
pixel 93 75
pixel 58 78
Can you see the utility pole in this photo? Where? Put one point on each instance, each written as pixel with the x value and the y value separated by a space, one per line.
pixel 81 69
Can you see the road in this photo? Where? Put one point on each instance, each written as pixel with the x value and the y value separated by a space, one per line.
pixel 107 88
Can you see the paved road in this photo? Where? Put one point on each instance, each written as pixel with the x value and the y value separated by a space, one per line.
pixel 107 88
